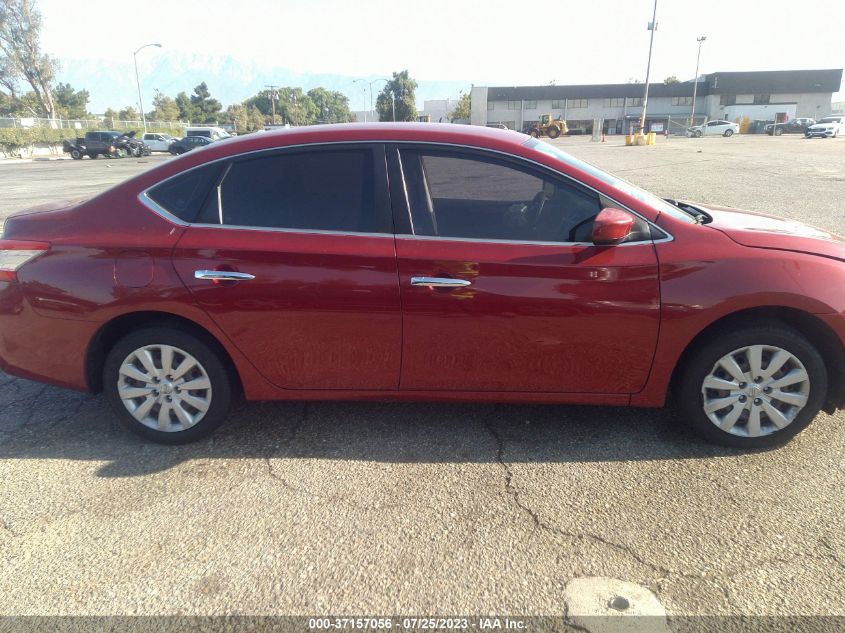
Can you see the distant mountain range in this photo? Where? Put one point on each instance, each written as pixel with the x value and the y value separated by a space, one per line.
pixel 230 80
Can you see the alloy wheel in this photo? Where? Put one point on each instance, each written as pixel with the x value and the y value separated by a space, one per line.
pixel 755 391
pixel 164 388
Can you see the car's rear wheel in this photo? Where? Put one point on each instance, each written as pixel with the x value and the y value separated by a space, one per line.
pixel 729 132
pixel 167 385
pixel 754 387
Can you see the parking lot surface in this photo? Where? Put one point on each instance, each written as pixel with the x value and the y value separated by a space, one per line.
pixel 385 508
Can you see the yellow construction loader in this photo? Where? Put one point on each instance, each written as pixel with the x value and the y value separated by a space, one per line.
pixel 547 126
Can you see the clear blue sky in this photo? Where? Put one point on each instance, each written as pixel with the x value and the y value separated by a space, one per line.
pixel 489 42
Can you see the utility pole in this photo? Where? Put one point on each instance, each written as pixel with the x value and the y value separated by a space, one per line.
pixel 695 85
pixel 652 26
pixel 272 88
pixel 138 81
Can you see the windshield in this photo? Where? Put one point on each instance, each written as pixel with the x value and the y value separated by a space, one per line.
pixel 658 204
pixel 830 119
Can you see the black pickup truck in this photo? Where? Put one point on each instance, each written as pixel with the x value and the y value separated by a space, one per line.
pixel 110 144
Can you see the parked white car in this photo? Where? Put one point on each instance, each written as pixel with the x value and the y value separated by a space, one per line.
pixel 214 133
pixel 831 126
pixel 714 128
pixel 158 142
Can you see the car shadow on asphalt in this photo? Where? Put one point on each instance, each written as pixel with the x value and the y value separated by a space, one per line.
pixel 42 422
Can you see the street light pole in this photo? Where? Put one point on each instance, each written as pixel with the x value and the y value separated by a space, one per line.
pixel 363 81
pixel 695 85
pixel 138 81
pixel 651 27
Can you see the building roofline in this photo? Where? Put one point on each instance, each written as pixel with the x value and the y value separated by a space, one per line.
pixel 741 82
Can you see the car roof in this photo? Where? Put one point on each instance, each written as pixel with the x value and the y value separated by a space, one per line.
pixel 451 133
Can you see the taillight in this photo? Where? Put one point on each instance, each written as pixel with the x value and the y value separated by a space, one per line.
pixel 16 253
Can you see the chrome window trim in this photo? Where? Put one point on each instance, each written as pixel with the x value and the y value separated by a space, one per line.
pixel 521 242
pixel 144 198
pixel 270 229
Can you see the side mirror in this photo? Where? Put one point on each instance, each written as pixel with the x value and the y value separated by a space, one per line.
pixel 611 226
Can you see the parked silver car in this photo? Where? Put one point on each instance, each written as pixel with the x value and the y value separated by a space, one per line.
pixel 714 128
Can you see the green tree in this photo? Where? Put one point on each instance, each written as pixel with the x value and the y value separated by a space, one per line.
pixel 206 109
pixel 296 107
pixel 21 56
pixel 70 104
pixel 464 108
pixel 164 108
pixel 186 108
pixel 257 120
pixel 332 106
pixel 129 114
pixel 110 115
pixel 398 93
pixel 262 102
pixel 672 79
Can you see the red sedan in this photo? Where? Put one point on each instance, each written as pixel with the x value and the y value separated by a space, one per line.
pixel 420 262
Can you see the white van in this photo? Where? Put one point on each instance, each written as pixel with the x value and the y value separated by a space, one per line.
pixel 214 133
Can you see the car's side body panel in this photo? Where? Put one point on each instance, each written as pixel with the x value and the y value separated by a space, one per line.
pixel 322 312
pixel 545 318
pixel 613 309
pixel 703 277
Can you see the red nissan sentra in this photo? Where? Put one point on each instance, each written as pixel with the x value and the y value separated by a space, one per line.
pixel 420 262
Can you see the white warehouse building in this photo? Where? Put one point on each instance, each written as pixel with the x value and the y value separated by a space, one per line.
pixel 735 96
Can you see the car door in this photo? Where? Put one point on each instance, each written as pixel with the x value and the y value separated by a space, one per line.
pixel 502 289
pixel 293 256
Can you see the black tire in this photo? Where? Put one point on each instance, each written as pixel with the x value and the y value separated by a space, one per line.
pixel 778 132
pixel 209 359
pixel 554 132
pixel 75 154
pixel 697 134
pixel 703 359
pixel 93 155
pixel 729 133
pixel 534 133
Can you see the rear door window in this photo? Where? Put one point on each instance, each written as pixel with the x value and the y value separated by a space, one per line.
pixel 323 190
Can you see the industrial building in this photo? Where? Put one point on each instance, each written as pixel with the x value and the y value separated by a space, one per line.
pixel 745 97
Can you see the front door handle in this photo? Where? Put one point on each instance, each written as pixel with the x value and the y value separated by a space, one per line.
pixel 439 282
pixel 222 275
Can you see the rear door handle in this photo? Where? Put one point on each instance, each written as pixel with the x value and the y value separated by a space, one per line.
pixel 439 282
pixel 222 275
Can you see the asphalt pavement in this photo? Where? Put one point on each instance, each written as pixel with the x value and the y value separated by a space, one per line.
pixel 386 508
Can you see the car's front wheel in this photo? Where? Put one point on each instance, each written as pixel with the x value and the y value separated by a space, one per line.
pixel 753 387
pixel 167 385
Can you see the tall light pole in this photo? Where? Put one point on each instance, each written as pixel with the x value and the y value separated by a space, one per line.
pixel 363 81
pixel 651 27
pixel 370 83
pixel 695 85
pixel 138 81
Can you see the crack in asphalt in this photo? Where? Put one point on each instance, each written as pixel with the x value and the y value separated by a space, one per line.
pixel 513 492
pixel 665 574
pixel 272 472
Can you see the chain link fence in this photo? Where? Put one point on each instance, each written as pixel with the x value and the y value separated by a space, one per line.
pixel 87 124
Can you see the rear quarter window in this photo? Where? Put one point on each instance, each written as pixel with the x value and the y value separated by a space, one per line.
pixel 184 194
